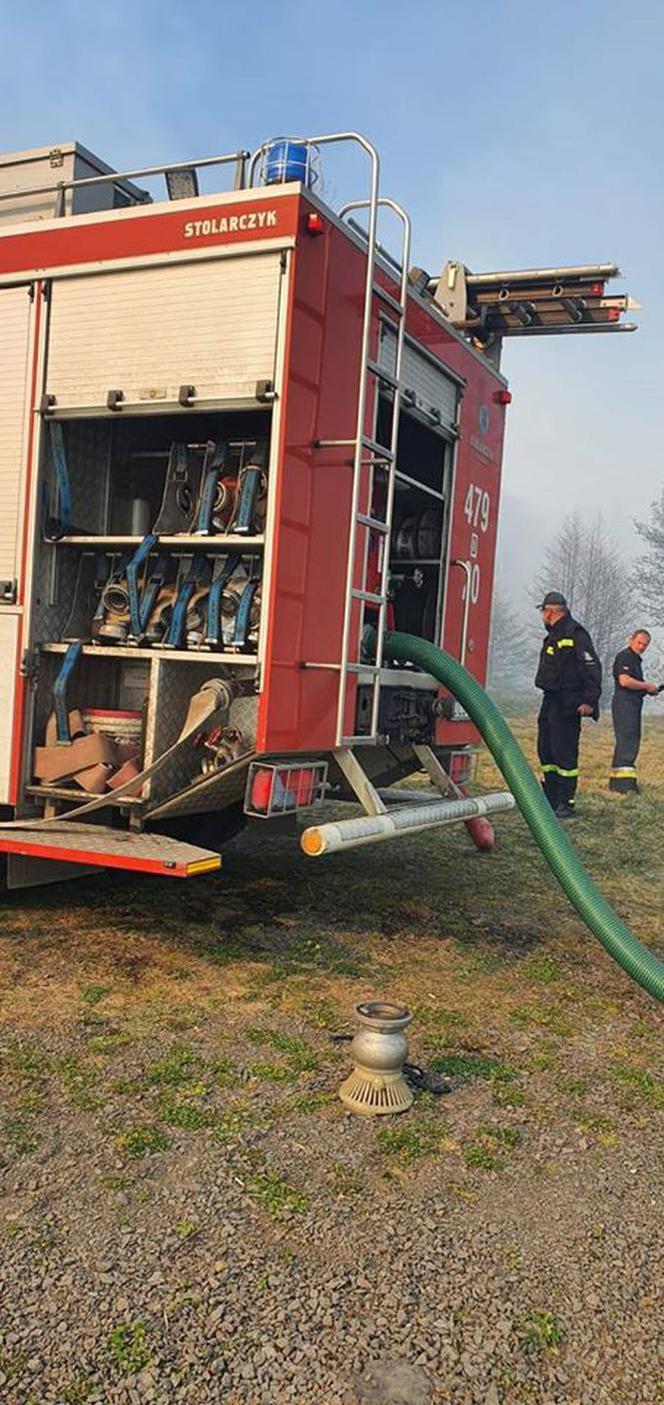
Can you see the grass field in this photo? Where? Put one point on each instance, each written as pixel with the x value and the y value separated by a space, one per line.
pixel 167 1070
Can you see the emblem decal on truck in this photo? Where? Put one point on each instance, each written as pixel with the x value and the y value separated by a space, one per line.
pixel 231 224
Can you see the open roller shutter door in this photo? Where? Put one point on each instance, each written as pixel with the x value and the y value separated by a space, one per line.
pixel 420 377
pixel 147 332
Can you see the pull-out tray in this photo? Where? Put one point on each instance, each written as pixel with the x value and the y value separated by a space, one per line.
pixel 101 847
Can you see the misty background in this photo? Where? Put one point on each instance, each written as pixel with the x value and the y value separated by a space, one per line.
pixel 516 134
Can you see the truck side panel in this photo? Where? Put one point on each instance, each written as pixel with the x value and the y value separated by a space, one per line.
pixel 298 709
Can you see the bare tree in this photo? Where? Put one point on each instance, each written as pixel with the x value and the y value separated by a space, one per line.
pixel 511 658
pixel 649 575
pixel 584 563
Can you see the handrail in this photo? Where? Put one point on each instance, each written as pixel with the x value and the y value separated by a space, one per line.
pixel 238 158
pixel 465 567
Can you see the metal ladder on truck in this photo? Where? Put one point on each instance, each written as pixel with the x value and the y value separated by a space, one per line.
pixel 367 453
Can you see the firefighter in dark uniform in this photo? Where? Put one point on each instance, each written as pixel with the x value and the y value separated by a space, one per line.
pixel 626 708
pixel 570 676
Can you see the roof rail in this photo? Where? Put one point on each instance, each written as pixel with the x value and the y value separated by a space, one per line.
pixel 180 176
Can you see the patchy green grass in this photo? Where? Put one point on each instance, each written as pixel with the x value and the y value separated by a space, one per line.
pixel 275 1194
pixel 484 1152
pixel 180 1065
pixel 639 1085
pixel 186 1229
pixel 472 1066
pixel 539 1330
pixel 141 1141
pixel 482 1158
pixel 93 994
pixel 346 1182
pixel 409 1141
pixel 128 1348
pixel 108 1043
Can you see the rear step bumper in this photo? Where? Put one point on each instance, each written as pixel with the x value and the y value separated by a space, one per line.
pixel 96 845
pixel 407 819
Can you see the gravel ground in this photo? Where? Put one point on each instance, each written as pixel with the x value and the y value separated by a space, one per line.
pixel 188 1214
pixel 285 1252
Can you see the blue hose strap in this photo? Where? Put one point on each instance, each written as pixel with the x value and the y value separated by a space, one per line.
pixel 250 481
pixel 59 523
pixel 243 617
pixel 211 477
pixel 213 637
pixel 150 592
pixel 178 622
pixel 63 734
pixel 140 555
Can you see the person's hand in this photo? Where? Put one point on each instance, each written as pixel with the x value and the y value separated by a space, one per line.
pixel 585 710
pixel 652 689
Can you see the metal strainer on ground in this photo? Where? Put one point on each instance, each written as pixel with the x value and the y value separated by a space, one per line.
pixel 377 1084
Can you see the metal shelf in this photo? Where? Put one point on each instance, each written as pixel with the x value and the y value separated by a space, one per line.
pixel 63 792
pixel 403 478
pixel 187 543
pixel 396 562
pixel 124 651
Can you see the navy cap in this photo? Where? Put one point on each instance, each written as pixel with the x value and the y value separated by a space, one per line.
pixel 553 598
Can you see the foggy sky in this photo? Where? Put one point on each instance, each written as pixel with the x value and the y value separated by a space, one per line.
pixel 517 134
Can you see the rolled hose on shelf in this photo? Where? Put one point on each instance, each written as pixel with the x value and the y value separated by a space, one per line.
pixel 639 963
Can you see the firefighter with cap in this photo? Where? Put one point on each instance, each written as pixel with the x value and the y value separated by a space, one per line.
pixel 570 677
pixel 626 708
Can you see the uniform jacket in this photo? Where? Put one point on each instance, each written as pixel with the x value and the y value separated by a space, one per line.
pixel 569 667
pixel 627 661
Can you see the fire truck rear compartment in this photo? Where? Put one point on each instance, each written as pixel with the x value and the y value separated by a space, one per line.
pixel 118 474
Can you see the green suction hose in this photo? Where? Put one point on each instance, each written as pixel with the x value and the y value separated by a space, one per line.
pixel 639 963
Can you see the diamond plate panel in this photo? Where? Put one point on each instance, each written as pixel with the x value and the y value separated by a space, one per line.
pixel 208 793
pixel 173 685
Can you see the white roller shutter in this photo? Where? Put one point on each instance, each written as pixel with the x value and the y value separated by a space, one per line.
pixel 15 313
pixel 423 382
pixel 8 632
pixel 149 331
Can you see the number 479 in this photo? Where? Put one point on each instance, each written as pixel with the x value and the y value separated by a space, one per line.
pixel 477 507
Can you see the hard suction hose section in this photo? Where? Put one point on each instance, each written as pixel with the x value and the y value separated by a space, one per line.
pixel 639 963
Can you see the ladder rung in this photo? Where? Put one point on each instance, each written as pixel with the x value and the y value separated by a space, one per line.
pixel 362 740
pixel 363 668
pixel 382 374
pixel 373 523
pixel 378 449
pixel 387 298
pixel 369 598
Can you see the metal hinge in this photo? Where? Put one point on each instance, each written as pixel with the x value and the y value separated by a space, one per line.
pixel 8 592
pixel 30 665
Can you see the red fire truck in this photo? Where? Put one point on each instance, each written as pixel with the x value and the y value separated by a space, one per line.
pixel 239 442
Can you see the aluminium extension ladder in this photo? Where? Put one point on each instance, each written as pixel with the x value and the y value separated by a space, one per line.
pixel 367 453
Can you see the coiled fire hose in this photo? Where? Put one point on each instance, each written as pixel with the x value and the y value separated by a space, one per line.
pixel 639 963
pixel 213 696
